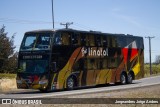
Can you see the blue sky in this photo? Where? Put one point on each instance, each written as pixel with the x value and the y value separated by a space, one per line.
pixel 136 17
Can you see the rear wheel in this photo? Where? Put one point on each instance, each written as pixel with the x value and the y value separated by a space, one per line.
pixel 130 78
pixel 123 79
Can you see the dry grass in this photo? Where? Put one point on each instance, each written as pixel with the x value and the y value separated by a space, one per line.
pixel 7 82
pixel 7 85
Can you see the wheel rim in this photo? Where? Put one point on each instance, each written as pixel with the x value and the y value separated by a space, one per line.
pixel 123 79
pixel 70 83
pixel 129 78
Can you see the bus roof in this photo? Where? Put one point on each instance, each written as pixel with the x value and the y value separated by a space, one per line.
pixel 73 30
pixel 41 31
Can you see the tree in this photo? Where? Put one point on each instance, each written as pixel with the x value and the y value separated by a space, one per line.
pixel 8 58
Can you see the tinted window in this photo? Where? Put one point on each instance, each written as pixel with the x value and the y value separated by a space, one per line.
pixel 62 38
pixel 30 41
pixel 104 40
pixel 66 38
pixel 34 66
pixel 91 40
pixel 98 40
pixel 75 39
pixel 122 42
pixel 36 42
pixel 58 39
pixel 83 40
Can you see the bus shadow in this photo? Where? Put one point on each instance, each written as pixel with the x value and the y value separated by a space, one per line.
pixel 64 90
pixel 102 85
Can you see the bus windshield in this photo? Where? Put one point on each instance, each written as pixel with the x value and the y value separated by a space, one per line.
pixel 33 66
pixel 36 42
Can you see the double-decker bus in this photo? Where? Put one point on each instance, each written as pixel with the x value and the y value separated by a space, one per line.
pixel 67 58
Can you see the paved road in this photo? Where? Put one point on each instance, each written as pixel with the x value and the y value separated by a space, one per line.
pixel 36 94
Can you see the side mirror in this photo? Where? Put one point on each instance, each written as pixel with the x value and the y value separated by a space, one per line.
pixel 54 67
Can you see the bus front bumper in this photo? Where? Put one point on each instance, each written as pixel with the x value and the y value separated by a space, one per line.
pixel 28 85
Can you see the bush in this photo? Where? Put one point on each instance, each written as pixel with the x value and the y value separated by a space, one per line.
pixel 9 76
pixel 155 69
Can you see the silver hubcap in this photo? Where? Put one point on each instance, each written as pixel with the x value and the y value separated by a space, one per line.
pixel 130 78
pixel 70 83
pixel 123 79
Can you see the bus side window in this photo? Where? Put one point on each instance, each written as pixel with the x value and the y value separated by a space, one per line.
pixel 141 43
pixel 98 40
pixel 74 39
pixel 91 40
pixel 110 41
pixel 58 39
pixel 122 42
pixel 130 42
pixel 87 40
pixel 79 39
pixel 66 38
pixel 83 40
pixel 116 42
pixel 104 41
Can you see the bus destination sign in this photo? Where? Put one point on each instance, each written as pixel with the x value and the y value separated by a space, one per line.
pixel 32 57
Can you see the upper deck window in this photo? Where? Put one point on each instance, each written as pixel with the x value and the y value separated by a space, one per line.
pixel 29 42
pixel 36 42
pixel 62 38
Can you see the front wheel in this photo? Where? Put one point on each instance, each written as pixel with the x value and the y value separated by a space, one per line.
pixel 71 83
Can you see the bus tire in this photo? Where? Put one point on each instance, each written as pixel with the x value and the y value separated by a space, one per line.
pixel 71 82
pixel 129 78
pixel 123 79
